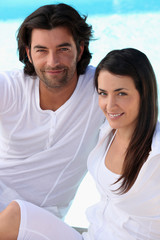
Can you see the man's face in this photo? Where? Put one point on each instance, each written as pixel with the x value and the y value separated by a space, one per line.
pixel 54 56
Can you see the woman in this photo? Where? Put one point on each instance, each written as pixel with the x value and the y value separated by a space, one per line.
pixel 125 164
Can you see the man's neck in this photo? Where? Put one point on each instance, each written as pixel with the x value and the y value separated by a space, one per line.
pixel 54 98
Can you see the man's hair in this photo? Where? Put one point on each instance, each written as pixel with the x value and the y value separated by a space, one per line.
pixel 135 64
pixel 49 17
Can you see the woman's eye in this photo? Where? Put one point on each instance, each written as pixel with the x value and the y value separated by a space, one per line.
pixel 122 94
pixel 102 93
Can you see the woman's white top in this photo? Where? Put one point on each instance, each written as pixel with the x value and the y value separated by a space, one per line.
pixel 134 215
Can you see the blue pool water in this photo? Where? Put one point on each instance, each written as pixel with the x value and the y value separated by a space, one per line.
pixel 21 8
pixel 116 23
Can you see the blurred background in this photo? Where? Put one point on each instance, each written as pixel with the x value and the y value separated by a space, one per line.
pixel 117 24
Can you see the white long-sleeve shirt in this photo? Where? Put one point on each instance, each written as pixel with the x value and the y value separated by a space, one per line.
pixel 131 216
pixel 43 154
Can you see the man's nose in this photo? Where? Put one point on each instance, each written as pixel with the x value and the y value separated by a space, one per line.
pixel 53 59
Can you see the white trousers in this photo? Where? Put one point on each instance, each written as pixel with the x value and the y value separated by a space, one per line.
pixel 39 224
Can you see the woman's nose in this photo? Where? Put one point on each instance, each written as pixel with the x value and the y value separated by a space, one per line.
pixel 111 103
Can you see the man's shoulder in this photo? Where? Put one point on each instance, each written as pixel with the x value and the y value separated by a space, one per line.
pixel 90 70
pixel 12 74
pixel 88 76
pixel 14 77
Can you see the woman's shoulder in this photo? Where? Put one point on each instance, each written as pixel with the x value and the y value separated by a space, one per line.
pixel 156 135
pixel 156 141
pixel 105 129
pixel 158 127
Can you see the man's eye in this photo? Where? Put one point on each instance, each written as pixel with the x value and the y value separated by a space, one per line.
pixel 41 50
pixel 64 49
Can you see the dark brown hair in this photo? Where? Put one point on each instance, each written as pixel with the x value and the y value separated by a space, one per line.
pixel 132 62
pixel 49 17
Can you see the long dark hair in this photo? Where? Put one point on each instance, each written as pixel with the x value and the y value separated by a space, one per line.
pixel 51 16
pixel 132 62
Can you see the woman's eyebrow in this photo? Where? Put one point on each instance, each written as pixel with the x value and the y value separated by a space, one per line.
pixel 116 90
pixel 102 90
pixel 120 89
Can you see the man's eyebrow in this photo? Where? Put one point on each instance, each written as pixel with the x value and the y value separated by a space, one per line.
pixel 39 46
pixel 60 45
pixel 65 44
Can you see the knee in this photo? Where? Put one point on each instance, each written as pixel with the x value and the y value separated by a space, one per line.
pixel 10 221
pixel 12 212
pixel 13 209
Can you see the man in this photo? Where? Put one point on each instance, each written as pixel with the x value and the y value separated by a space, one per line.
pixel 49 112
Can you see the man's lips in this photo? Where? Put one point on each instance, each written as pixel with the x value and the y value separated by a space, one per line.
pixel 56 71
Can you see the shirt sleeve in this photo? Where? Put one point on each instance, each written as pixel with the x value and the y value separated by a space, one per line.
pixel 7 92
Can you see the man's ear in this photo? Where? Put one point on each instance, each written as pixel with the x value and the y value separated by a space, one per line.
pixel 81 50
pixel 28 54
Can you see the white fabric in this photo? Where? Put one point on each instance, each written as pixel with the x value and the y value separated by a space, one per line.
pixel 43 154
pixel 38 224
pixel 131 216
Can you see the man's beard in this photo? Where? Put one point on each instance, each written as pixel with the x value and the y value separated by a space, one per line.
pixel 57 81
pixel 54 81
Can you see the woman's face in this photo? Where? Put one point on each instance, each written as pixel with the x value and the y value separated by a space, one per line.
pixel 119 100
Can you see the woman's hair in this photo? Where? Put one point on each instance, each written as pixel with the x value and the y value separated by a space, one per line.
pixel 49 17
pixel 133 63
